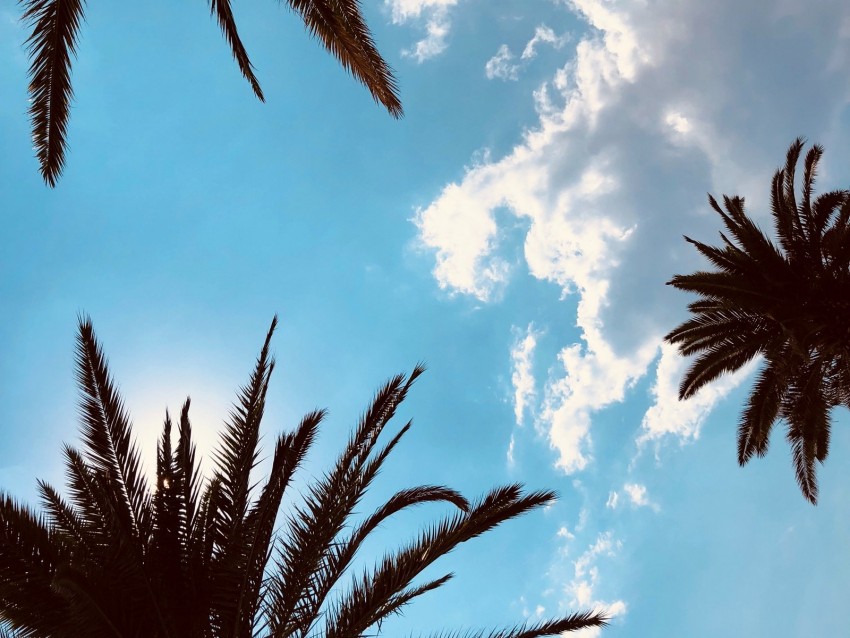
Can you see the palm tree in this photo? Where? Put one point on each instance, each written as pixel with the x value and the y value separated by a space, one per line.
pixel 200 558
pixel 338 24
pixel 788 303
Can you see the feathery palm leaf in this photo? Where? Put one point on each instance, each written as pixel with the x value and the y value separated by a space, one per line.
pixel 55 25
pixel 339 25
pixel 224 15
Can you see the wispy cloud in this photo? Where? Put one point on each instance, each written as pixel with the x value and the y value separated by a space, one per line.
pixel 546 35
pixel 434 15
pixel 635 494
pixel 502 66
pixel 582 588
pixel 522 374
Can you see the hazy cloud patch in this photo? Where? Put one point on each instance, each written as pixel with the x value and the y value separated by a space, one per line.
pixel 433 16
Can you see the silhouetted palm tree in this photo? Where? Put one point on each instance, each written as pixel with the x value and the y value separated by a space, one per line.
pixel 789 303
pixel 338 24
pixel 202 559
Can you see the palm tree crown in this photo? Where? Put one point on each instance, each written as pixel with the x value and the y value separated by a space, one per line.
pixel 338 24
pixel 788 303
pixel 198 559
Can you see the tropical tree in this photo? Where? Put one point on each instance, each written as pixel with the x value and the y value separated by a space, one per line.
pixel 789 304
pixel 338 25
pixel 201 558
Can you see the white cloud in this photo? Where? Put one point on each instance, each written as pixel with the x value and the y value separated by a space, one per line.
pixel 682 419
pixel 582 587
pixel 639 497
pixel 543 34
pixel 437 22
pixel 564 532
pixel 500 65
pixel 522 375
pixel 652 111
pixel 613 500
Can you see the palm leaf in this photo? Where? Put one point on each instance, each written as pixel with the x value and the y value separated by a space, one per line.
pixel 107 436
pixel 573 622
pixel 314 527
pixel 55 25
pixel 339 26
pixel 763 406
pixel 371 595
pixel 224 15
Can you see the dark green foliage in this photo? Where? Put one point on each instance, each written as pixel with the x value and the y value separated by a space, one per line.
pixel 203 559
pixel 337 24
pixel 788 303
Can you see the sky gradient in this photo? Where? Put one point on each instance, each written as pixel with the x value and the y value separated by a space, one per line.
pixel 514 231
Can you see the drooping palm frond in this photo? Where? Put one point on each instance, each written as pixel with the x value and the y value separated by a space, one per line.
pixel 200 562
pixel 384 591
pixel 339 26
pixel 789 303
pixel 55 25
pixel 573 622
pixel 224 14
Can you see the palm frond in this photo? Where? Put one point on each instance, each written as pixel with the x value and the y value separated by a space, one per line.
pixel 313 527
pixel 55 25
pixel 340 555
pixel 763 406
pixel 29 555
pixel 186 476
pixel 107 435
pixel 289 454
pixel 237 457
pixel 224 14
pixel 368 596
pixel 719 360
pixel 339 26
pixel 573 622
pixel 66 520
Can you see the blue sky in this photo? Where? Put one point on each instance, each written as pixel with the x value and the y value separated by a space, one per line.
pixel 514 230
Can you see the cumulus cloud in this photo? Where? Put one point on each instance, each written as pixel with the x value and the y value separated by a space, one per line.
pixel 434 14
pixel 653 110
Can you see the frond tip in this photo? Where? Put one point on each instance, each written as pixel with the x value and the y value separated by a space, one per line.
pixel 224 15
pixel 340 27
